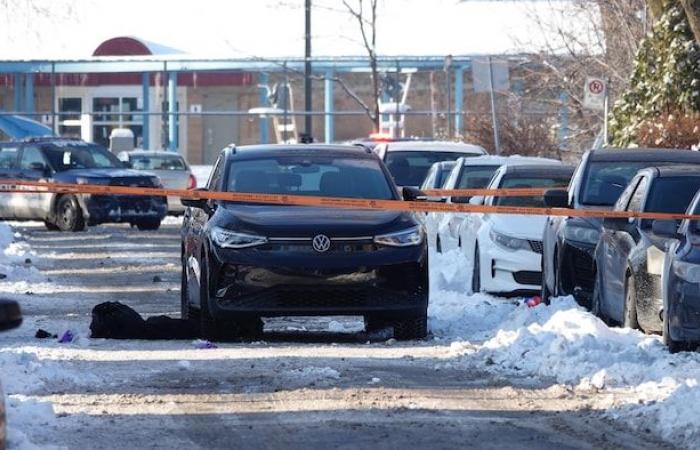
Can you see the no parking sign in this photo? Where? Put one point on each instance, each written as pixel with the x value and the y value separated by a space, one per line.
pixel 595 93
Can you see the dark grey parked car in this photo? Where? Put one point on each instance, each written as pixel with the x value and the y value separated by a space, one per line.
pixel 630 255
pixel 10 317
pixel 568 267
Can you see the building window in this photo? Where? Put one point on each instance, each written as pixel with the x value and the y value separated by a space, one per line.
pixel 70 110
pixel 116 112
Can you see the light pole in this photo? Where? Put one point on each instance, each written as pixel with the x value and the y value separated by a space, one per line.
pixel 447 67
pixel 308 128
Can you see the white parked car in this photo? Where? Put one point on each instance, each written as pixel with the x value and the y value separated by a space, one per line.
pixel 409 161
pixel 469 173
pixel 505 250
pixel 171 168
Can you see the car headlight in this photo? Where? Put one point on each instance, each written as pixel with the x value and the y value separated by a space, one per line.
pixel 687 271
pixel 509 243
pixel 655 260
pixel 404 238
pixel 578 233
pixel 231 239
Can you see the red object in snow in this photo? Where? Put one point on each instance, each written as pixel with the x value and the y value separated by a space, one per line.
pixel 534 301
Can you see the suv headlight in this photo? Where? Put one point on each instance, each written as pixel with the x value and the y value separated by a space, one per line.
pixel 578 233
pixel 230 239
pixel 509 243
pixel 687 271
pixel 405 238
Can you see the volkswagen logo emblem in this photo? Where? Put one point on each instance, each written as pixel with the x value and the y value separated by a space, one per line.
pixel 321 243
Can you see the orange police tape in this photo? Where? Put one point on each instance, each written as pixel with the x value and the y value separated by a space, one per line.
pixel 19 186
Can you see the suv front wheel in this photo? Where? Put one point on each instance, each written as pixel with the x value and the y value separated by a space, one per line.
pixel 69 215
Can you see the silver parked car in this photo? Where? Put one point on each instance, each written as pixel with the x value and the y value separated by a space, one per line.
pixel 171 168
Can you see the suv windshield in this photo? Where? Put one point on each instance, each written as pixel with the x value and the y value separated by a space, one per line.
pixel 604 181
pixel 157 162
pixel 74 155
pixel 316 175
pixel 411 168
pixel 531 181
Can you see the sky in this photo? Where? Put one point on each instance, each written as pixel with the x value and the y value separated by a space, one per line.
pixel 64 29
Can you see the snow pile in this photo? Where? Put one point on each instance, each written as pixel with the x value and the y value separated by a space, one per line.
pixel 15 257
pixel 568 345
pixel 313 375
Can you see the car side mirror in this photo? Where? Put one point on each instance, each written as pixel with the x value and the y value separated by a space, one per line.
pixel 665 228
pixel 10 315
pixel 616 223
pixel 127 164
pixel 411 194
pixel 460 199
pixel 477 200
pixel 556 198
pixel 201 203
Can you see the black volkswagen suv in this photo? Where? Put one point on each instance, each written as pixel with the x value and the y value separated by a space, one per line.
pixel 244 261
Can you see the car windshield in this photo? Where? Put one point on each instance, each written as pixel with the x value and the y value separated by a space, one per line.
pixel 410 168
pixel 157 162
pixel 80 156
pixel 605 180
pixel 315 175
pixel 475 177
pixel 442 175
pixel 524 181
pixel 670 195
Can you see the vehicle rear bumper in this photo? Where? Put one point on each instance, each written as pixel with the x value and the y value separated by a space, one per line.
pixel 391 285
pixel 122 208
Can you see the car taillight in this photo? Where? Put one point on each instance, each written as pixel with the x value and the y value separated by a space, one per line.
pixel 192 182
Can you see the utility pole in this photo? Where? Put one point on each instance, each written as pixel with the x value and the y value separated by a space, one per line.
pixel 308 107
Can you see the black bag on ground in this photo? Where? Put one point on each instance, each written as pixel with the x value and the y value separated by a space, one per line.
pixel 164 327
pixel 114 320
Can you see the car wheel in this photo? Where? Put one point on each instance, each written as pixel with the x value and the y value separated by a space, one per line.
pixel 545 293
pixel 596 307
pixel 210 328
pixel 438 244
pixel 415 327
pixel 69 216
pixel 148 225
pixel 51 226
pixel 476 272
pixel 673 346
pixel 629 316
pixel 185 310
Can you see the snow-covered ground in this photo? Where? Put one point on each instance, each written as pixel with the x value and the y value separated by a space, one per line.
pixel 629 375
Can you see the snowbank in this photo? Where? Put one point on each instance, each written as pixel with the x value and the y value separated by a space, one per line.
pixel 565 343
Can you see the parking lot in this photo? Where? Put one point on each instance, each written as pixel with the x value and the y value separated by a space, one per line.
pixel 290 389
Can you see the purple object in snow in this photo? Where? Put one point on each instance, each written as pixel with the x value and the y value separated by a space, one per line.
pixel 66 338
pixel 203 344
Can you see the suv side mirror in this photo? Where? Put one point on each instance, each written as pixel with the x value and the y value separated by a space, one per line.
pixel 128 164
pixel 10 315
pixel 616 223
pixel 556 198
pixel 200 203
pixel 665 228
pixel 411 194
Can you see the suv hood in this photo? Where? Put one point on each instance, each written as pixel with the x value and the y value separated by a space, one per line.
pixel 121 177
pixel 301 221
